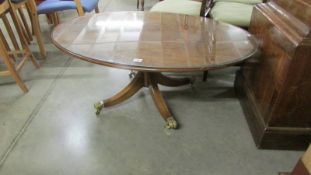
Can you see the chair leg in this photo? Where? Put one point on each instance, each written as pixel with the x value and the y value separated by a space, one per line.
pixel 37 33
pixel 15 75
pixel 205 73
pixel 36 28
pixel 55 18
pixel 49 18
pixel 96 9
pixel 142 5
pixel 34 61
pixel 18 80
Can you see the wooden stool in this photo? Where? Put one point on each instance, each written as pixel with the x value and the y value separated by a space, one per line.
pixel 14 56
pixel 35 27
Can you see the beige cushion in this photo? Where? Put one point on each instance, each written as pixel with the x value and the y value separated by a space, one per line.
pixel 234 13
pixel 241 1
pixel 186 7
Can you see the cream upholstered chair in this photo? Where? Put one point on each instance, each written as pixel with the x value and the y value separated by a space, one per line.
pixel 236 12
pixel 187 7
pixel 178 6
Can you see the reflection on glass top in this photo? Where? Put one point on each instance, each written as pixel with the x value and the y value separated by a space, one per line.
pixel 154 41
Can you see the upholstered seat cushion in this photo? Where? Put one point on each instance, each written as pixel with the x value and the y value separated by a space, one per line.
pixel 234 13
pixel 186 7
pixel 48 6
pixel 241 1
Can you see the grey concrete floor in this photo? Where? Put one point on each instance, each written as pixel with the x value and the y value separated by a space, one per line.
pixel 53 128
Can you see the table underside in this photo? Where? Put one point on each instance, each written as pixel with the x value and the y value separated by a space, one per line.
pixel 149 80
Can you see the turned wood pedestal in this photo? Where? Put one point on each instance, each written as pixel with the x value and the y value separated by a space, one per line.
pixel 151 81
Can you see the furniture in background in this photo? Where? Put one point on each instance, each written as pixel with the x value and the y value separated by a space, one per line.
pixel 275 88
pixel 13 57
pixel 235 12
pixel 29 29
pixel 186 7
pixel 54 6
pixel 303 166
pixel 153 43
pixel 142 4
pixel 49 7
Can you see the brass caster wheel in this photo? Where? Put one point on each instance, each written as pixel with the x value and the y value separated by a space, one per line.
pixel 171 123
pixel 99 106
pixel 132 74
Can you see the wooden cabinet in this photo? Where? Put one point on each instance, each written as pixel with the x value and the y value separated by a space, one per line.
pixel 275 87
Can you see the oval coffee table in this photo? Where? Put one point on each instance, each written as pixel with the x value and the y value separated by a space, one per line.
pixel 152 43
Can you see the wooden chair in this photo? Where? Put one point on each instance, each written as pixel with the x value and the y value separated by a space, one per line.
pixel 51 7
pixel 34 27
pixel 14 50
pixel 48 7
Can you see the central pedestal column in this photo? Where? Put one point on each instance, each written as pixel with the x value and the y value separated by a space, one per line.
pixel 151 81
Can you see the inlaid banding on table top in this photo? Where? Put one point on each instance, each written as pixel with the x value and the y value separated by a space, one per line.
pixel 162 41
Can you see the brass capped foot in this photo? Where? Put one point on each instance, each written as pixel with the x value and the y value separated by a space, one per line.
pixel 99 106
pixel 132 74
pixel 171 123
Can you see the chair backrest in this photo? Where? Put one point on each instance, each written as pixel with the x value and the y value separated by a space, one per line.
pixel 9 44
pixel 7 39
pixel 9 28
pixel 206 7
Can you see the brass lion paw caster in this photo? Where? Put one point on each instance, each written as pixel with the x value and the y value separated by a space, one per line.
pixel 99 106
pixel 171 123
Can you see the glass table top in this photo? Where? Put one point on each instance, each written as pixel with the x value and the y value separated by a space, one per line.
pixel 151 41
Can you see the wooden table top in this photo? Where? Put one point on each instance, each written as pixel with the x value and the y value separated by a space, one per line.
pixel 146 41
